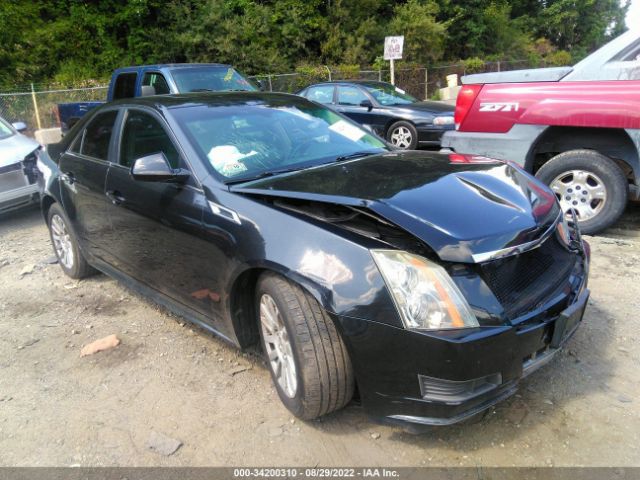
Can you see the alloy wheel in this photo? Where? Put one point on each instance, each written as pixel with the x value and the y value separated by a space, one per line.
pixel 62 241
pixel 581 191
pixel 401 137
pixel 278 346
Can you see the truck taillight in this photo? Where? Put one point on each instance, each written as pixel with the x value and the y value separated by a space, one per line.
pixel 466 97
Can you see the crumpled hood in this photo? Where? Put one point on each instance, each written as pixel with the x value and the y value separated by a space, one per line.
pixel 459 209
pixel 14 148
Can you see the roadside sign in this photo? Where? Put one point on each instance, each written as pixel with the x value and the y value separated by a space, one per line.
pixel 393 51
pixel 393 47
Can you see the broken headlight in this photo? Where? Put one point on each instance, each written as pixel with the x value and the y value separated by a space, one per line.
pixel 425 295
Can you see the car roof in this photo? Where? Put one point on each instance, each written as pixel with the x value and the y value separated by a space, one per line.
pixel 160 66
pixel 212 99
pixel 366 83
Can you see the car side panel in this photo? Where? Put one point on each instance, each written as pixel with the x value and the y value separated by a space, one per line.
pixel 339 272
pixel 84 201
pixel 498 107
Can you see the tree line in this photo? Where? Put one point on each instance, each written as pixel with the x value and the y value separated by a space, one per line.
pixel 69 41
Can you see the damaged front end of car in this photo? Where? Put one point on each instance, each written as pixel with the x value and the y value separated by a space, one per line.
pixel 486 273
pixel 18 183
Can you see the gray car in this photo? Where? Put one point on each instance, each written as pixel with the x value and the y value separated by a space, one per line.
pixel 18 174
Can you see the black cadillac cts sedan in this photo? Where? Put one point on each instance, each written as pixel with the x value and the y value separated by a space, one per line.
pixel 430 284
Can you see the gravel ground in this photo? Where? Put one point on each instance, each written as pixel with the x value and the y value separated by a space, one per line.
pixel 168 383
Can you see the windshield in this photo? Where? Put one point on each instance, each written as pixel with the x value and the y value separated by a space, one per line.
pixel 387 94
pixel 5 129
pixel 257 138
pixel 210 78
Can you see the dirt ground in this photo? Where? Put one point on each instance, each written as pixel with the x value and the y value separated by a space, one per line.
pixel 58 409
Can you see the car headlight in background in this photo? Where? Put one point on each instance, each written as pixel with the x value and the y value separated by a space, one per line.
pixel 425 295
pixel 440 121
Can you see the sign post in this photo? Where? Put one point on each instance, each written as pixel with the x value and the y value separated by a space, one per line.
pixel 393 51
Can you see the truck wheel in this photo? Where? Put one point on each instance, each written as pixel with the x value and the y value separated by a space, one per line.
pixel 65 245
pixel 591 184
pixel 307 358
pixel 403 135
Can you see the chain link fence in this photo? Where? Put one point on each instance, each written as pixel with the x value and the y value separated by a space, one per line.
pixel 36 104
pixel 421 82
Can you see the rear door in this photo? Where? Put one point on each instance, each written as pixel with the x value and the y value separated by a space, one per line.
pixel 83 173
pixel 123 85
pixel 157 236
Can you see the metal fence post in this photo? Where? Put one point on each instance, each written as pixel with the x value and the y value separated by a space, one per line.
pixel 426 83
pixel 393 76
pixel 270 86
pixel 35 106
pixel 328 70
pixel 379 75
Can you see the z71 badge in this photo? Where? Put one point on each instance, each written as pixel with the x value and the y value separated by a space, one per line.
pixel 499 107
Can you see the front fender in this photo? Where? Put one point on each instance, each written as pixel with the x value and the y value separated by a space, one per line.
pixel 48 181
pixel 333 265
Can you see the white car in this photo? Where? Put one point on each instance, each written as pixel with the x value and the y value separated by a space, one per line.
pixel 18 174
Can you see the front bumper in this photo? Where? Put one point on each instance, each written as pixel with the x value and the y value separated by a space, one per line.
pixel 513 145
pixel 16 191
pixel 391 363
pixel 431 136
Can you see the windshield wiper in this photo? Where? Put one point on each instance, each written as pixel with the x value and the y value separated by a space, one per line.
pixel 273 173
pixel 269 173
pixel 225 90
pixel 349 156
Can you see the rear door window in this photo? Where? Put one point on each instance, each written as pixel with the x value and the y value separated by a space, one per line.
pixel 321 94
pixel 97 135
pixel 125 86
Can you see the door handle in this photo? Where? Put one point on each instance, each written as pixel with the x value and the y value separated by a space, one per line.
pixel 115 197
pixel 68 177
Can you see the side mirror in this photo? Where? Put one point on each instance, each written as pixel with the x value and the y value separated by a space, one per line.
pixel 19 126
pixel 156 168
pixel 367 104
pixel 147 90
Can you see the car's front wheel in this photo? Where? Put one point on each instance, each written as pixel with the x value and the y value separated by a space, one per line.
pixel 65 245
pixel 307 358
pixel 589 183
pixel 403 135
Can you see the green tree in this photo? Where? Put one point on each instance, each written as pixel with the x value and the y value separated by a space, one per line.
pixel 581 25
pixel 84 40
pixel 423 34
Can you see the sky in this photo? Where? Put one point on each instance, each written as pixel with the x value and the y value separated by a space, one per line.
pixel 633 15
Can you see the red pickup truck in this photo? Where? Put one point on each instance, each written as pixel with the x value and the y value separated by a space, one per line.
pixel 576 128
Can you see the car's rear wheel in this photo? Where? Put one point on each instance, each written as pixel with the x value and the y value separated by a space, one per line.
pixel 65 245
pixel 307 358
pixel 589 183
pixel 403 135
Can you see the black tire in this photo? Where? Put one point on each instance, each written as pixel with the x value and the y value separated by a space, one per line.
pixel 397 126
pixel 613 179
pixel 323 370
pixel 79 267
